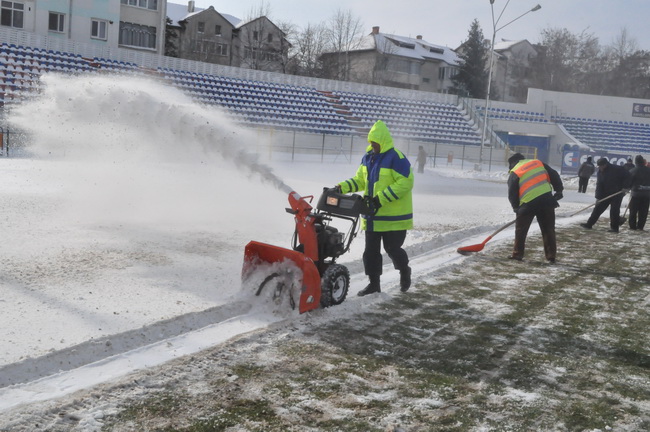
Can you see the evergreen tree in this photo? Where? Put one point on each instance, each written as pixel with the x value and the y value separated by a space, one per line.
pixel 472 76
pixel 171 38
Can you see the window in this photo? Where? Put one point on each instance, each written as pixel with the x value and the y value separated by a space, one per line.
pixel 259 54
pixel 447 73
pixel 270 38
pixel 404 66
pixel 208 48
pixel 98 29
pixel 201 27
pixel 217 30
pixel 137 35
pixel 12 14
pixel 56 22
pixel 145 4
pixel 426 80
pixel 222 49
pixel 255 35
pixel 402 44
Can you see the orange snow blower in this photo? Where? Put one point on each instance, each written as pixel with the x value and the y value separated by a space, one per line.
pixel 309 270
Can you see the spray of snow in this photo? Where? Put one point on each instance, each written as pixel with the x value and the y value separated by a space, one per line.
pixel 137 150
pixel 100 118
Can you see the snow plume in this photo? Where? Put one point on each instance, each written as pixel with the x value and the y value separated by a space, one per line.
pixel 119 119
pixel 131 149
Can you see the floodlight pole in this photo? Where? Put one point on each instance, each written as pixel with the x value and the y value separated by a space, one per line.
pixel 491 60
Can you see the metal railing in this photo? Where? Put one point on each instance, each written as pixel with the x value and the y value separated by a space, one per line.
pixel 294 146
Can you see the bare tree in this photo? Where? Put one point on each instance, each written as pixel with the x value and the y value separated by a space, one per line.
pixel 623 46
pixel 344 34
pixel 629 66
pixel 288 57
pixel 308 46
pixel 567 61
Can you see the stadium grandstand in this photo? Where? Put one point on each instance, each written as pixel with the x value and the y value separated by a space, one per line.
pixel 255 99
pixel 550 122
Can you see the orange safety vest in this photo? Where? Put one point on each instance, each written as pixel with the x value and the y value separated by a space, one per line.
pixel 533 180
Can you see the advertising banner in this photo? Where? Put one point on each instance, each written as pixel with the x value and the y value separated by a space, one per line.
pixel 572 159
pixel 640 110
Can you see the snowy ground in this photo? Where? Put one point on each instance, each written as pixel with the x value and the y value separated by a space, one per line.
pixel 122 255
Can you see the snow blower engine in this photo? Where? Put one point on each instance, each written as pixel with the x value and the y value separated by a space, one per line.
pixel 309 271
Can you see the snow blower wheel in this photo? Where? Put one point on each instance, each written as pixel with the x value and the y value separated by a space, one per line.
pixel 334 285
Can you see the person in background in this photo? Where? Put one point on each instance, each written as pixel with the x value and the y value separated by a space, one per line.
pixel 639 194
pixel 530 191
pixel 386 176
pixel 421 159
pixel 611 179
pixel 629 164
pixel 585 172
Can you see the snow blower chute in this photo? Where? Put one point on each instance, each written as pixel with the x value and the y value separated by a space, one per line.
pixel 316 246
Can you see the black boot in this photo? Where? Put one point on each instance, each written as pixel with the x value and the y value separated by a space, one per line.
pixel 373 286
pixel 405 279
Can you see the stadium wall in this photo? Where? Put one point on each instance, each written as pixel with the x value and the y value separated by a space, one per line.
pixel 559 104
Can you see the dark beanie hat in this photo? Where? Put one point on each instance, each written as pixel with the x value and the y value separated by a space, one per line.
pixel 639 160
pixel 602 161
pixel 512 160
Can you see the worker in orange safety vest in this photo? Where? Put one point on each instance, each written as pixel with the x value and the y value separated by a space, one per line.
pixel 534 189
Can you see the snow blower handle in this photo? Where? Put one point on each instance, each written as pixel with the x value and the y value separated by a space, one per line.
pixel 332 201
pixel 372 205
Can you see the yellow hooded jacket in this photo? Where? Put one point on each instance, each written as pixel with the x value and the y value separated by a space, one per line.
pixel 387 175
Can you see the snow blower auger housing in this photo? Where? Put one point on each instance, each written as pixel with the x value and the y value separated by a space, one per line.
pixel 316 245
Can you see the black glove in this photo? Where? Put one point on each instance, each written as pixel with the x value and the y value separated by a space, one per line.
pixel 372 205
pixel 558 196
pixel 337 188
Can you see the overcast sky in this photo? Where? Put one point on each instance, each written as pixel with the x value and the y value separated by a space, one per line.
pixel 446 22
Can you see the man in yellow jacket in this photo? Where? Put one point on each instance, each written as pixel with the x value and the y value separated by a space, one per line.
pixel 386 176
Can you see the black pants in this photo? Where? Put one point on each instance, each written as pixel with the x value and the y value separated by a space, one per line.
pixel 393 241
pixel 639 212
pixel 582 184
pixel 546 221
pixel 614 204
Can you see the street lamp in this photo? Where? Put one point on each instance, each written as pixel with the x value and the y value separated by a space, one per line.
pixel 491 59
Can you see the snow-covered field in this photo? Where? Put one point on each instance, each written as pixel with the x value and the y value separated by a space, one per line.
pixel 123 233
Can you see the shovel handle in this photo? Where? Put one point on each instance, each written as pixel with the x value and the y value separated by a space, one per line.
pixel 501 229
pixel 597 202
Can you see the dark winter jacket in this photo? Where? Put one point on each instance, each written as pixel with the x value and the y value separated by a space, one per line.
pixel 541 201
pixel 586 170
pixel 640 184
pixel 612 179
